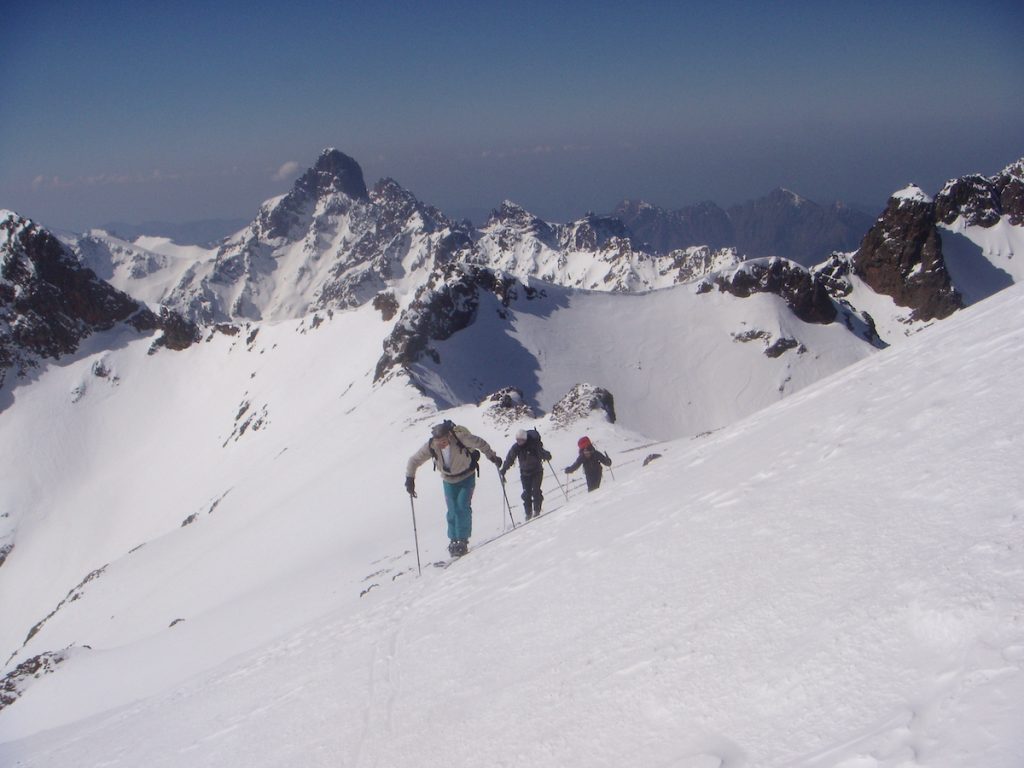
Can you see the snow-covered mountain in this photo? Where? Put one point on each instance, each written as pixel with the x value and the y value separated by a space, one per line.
pixel 595 252
pixel 218 537
pixel 331 243
pixel 832 581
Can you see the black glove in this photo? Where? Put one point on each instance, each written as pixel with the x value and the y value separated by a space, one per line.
pixel 546 455
pixel 568 470
pixel 496 461
pixel 410 485
pixel 501 474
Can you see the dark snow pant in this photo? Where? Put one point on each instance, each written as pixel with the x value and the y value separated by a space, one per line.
pixel 533 497
pixel 593 479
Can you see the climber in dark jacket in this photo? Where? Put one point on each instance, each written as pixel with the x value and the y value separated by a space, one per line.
pixel 591 459
pixel 530 452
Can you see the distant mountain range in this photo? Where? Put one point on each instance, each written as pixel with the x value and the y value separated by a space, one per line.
pixel 332 242
pixel 161 403
pixel 780 224
pixel 205 232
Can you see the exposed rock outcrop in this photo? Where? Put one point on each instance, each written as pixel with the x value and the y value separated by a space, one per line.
pixel 507 407
pixel 984 200
pixel 901 256
pixel 580 402
pixel 802 291
pixel 49 302
pixel 446 304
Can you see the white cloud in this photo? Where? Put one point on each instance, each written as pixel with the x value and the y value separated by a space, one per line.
pixel 286 171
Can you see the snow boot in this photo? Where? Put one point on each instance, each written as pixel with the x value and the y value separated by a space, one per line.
pixel 461 547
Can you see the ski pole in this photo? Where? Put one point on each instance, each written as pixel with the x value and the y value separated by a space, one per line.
pixel 503 493
pixel 415 535
pixel 555 475
pixel 610 471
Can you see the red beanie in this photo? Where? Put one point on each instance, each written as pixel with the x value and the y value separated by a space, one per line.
pixel 584 442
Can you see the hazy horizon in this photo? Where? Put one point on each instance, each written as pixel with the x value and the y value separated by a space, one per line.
pixel 122 113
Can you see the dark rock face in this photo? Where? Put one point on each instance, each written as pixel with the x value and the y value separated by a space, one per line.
pixel 446 304
pixel 1010 184
pixel 333 172
pixel 386 303
pixel 804 293
pixel 49 302
pixel 973 197
pixel 983 200
pixel 901 257
pixel 178 332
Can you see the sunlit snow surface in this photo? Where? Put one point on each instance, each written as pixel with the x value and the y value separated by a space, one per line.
pixel 835 580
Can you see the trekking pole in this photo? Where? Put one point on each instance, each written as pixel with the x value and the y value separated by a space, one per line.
pixel 555 475
pixel 507 505
pixel 610 472
pixel 415 535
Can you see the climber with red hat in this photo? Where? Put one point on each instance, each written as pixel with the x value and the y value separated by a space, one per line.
pixel 591 460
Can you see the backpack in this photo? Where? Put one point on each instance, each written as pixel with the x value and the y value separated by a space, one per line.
pixel 533 442
pixel 474 454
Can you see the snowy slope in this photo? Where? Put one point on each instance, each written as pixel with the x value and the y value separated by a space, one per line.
pixel 678 361
pixel 835 581
pixel 146 269
pixel 1001 245
pixel 124 458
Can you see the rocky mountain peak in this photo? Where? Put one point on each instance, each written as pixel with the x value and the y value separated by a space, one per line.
pixel 901 256
pixel 785 197
pixel 911 195
pixel 333 172
pixel 1014 169
pixel 974 197
pixel 593 232
pixel 512 213
pixel 984 200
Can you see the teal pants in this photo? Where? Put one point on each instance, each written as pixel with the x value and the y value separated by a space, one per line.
pixel 459 496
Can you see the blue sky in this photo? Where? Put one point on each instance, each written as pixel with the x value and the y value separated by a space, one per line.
pixel 183 111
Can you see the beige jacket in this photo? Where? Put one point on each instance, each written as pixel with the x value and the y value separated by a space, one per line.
pixel 461 466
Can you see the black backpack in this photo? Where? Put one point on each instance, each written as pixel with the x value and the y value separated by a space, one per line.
pixel 533 442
